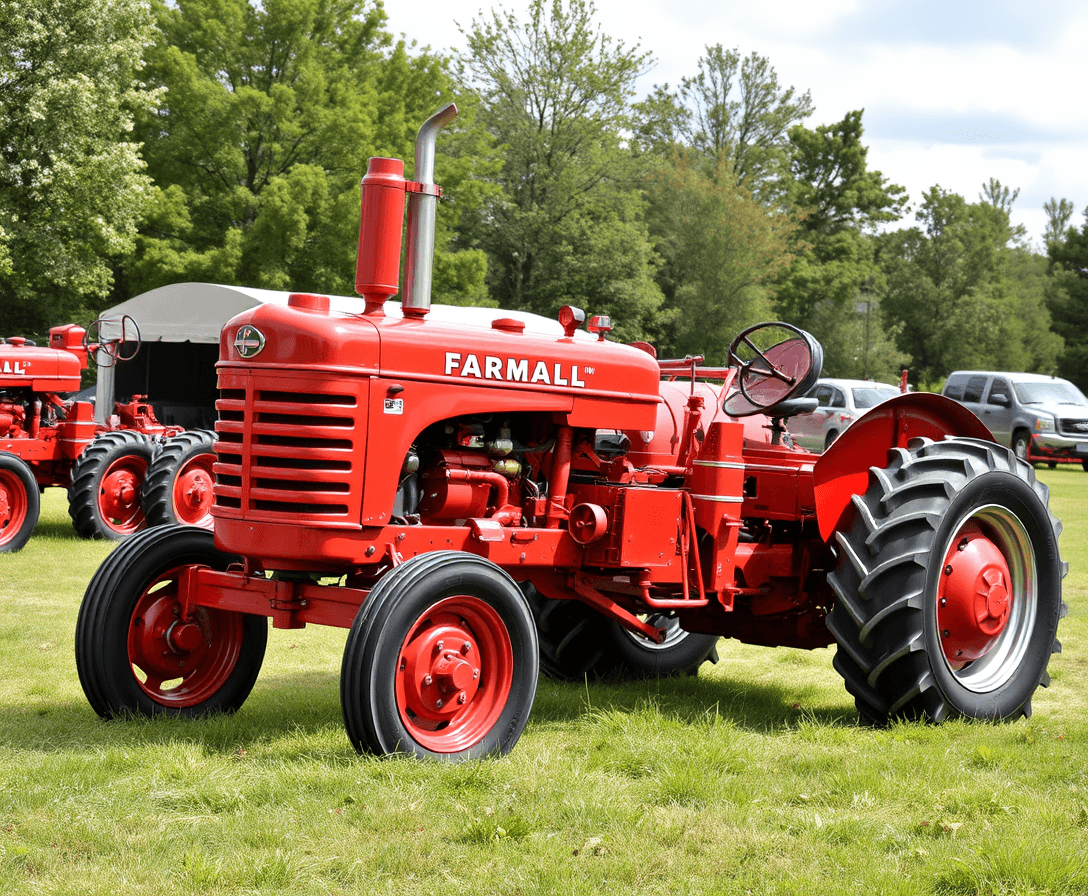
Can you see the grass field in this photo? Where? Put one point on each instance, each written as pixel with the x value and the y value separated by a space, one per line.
pixel 752 778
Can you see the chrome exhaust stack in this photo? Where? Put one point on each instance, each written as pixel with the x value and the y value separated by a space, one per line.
pixel 422 201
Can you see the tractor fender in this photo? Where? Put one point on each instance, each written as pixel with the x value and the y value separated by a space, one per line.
pixel 843 470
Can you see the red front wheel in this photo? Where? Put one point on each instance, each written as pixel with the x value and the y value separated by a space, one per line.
pixel 138 651
pixel 442 661
pixel 19 503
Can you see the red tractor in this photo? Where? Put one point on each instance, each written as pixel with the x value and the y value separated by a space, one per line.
pixel 48 440
pixel 477 503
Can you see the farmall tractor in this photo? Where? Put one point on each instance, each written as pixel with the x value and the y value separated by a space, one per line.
pixel 463 498
pixel 49 440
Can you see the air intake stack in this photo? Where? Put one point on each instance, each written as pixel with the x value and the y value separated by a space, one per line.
pixel 377 267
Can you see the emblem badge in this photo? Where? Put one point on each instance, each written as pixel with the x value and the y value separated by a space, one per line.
pixel 248 341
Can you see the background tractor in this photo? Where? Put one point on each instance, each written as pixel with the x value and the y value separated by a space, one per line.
pixel 477 502
pixel 48 439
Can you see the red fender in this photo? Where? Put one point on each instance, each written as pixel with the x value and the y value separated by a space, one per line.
pixel 843 470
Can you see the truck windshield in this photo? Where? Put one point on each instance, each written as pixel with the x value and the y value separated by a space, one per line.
pixel 1060 391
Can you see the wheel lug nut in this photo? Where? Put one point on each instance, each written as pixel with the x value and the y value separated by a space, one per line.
pixel 945 633
pixel 475 674
pixel 438 646
pixel 427 681
pixel 962 545
pixel 948 570
pixel 465 648
pixel 438 703
pixel 944 601
pixel 462 697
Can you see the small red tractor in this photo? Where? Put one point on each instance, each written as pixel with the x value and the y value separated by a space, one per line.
pixel 49 440
pixel 480 503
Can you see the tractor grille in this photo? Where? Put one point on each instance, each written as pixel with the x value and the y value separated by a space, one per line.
pixel 286 455
pixel 1073 427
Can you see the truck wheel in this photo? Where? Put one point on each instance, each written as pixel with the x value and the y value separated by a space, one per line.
pixel 577 642
pixel 178 486
pixel 830 440
pixel 136 654
pixel 948 585
pixel 104 497
pixel 1021 444
pixel 20 503
pixel 441 661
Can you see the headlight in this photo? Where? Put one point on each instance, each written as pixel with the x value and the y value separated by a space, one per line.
pixel 1044 424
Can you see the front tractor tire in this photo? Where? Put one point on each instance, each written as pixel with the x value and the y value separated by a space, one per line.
pixel 104 497
pixel 441 661
pixel 178 486
pixel 20 503
pixel 577 642
pixel 948 585
pixel 136 653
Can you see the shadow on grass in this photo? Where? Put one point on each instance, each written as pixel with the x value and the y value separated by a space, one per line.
pixel 305 707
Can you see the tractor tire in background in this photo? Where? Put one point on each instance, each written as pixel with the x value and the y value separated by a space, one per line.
pixel 136 651
pixel 104 497
pixel 948 585
pixel 577 642
pixel 178 486
pixel 20 503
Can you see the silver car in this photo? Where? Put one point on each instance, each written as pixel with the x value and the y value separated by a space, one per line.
pixel 841 402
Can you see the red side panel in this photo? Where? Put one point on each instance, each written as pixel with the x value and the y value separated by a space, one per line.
pixel 843 470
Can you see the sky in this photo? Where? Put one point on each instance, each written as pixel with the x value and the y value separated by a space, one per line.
pixel 954 92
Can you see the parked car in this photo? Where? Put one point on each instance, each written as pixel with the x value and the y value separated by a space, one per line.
pixel 841 402
pixel 1042 418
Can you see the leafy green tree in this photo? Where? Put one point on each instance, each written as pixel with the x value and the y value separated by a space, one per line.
pixel 1058 214
pixel 1067 298
pixel 565 225
pixel 961 293
pixel 271 112
pixel 841 203
pixel 71 184
pixel 721 251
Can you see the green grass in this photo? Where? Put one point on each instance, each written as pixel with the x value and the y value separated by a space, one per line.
pixel 752 778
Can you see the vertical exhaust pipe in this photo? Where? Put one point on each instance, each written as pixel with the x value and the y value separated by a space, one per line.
pixel 422 202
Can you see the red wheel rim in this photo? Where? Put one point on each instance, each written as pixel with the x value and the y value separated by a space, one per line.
pixel 181 662
pixel 454 674
pixel 193 491
pixel 13 506
pixel 119 494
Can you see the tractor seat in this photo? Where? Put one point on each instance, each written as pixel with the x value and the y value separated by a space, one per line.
pixel 791 407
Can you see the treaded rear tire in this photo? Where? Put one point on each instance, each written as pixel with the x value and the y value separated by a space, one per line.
pixel 577 642
pixel 890 561
pixel 186 454
pixel 88 501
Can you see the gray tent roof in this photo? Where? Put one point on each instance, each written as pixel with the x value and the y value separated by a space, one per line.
pixel 196 312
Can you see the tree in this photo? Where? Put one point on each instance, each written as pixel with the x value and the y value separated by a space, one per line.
pixel 1067 298
pixel 272 110
pixel 71 182
pixel 1058 213
pixel 998 196
pixel 955 288
pixel 840 203
pixel 720 250
pixel 565 225
pixel 741 114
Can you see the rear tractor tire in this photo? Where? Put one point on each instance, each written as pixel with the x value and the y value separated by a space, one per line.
pixel 104 497
pixel 441 661
pixel 178 486
pixel 577 642
pixel 135 651
pixel 20 503
pixel 948 585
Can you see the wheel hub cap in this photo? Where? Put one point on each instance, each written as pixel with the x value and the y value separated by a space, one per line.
pixel 974 597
